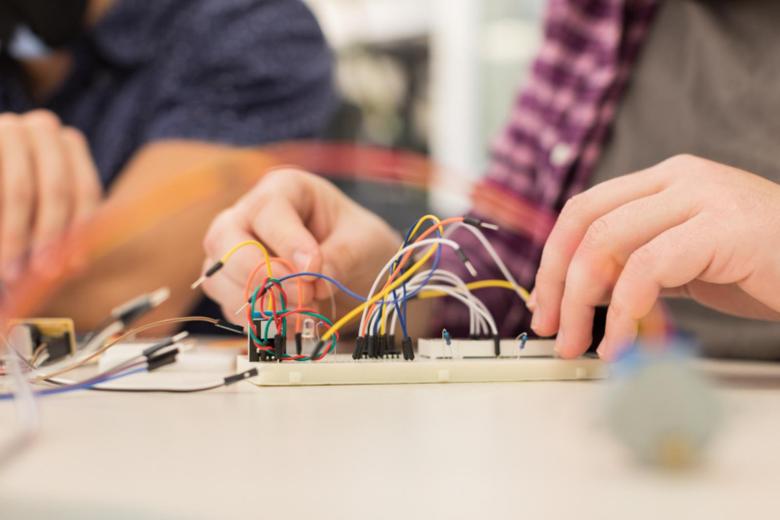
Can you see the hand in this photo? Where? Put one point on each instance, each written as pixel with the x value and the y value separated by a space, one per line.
pixel 47 182
pixel 686 226
pixel 306 220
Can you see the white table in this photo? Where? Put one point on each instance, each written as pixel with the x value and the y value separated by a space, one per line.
pixel 526 450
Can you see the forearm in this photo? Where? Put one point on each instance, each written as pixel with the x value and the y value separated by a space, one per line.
pixel 168 251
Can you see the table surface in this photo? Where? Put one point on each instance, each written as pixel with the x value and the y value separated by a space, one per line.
pixel 537 450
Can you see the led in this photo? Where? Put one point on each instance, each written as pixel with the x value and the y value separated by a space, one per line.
pixel 309 328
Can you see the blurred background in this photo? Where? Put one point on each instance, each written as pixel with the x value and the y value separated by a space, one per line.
pixel 432 76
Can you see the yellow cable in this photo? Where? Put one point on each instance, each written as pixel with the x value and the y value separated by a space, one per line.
pixel 481 284
pixel 398 281
pixel 245 243
pixel 415 229
pixel 420 222
pixel 261 247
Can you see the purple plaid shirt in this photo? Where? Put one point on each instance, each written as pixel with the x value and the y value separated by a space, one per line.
pixel 551 143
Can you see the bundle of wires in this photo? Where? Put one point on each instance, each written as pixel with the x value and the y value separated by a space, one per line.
pixel 113 331
pixel 278 318
pixel 267 327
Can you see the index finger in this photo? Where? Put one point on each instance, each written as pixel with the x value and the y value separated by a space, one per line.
pixel 575 219
pixel 18 197
pixel 54 185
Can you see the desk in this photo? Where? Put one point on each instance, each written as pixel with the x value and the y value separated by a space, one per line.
pixel 526 450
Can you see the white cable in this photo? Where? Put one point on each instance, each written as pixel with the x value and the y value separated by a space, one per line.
pixel 455 280
pixel 415 282
pixel 485 243
pixel 491 251
pixel 480 317
pixel 422 243
pixel 471 304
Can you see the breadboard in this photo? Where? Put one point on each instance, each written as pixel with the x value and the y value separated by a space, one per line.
pixel 483 348
pixel 341 369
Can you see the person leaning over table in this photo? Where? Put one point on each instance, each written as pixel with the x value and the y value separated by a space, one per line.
pixel 101 99
pixel 677 92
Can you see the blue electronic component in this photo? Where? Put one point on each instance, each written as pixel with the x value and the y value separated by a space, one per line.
pixel 661 407
pixel 523 337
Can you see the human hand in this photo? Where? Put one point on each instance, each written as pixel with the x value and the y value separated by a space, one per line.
pixel 48 181
pixel 687 227
pixel 306 220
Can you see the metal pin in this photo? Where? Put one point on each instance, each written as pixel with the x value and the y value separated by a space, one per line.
pixel 238 311
pixel 523 337
pixel 197 283
pixel 180 336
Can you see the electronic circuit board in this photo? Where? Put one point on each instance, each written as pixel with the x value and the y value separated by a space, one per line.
pixel 383 351
pixel 470 363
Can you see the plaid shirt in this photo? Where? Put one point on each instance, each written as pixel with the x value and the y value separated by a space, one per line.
pixel 551 144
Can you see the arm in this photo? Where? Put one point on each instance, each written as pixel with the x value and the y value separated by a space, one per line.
pixel 168 253
pixel 269 84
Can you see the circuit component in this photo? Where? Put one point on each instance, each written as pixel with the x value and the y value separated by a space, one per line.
pixel 483 348
pixel 523 338
pixel 44 339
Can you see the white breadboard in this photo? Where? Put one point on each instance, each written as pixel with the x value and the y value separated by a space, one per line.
pixel 341 369
pixel 483 348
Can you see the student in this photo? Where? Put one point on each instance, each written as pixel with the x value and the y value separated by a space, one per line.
pixel 681 224
pixel 99 99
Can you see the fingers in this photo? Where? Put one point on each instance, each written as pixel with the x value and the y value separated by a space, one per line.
pixel 230 295
pixel 18 196
pixel 578 214
pixel 339 253
pixel 54 204
pixel 48 178
pixel 278 225
pixel 84 175
pixel 307 221
pixel 228 229
pixel 607 244
pixel 357 247
pixel 672 259
pixel 299 291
